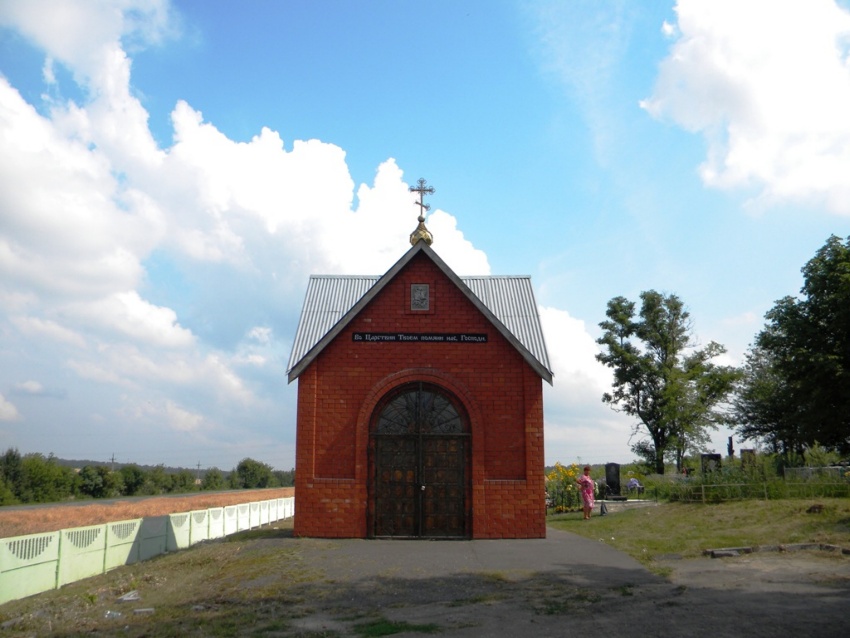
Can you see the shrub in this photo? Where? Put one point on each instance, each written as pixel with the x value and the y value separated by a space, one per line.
pixel 561 489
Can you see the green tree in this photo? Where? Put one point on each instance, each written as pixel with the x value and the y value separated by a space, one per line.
pixel 673 389
pixel 253 474
pixel 134 479
pixel 182 482
pixel 44 480
pixel 98 481
pixel 7 495
pixel 12 472
pixel 213 480
pixel 285 478
pixel 806 343
pixel 234 482
pixel 158 481
pixel 764 408
pixel 816 456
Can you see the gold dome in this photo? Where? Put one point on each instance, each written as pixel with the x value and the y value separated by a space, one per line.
pixel 421 233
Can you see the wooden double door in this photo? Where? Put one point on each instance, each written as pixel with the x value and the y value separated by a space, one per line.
pixel 420 463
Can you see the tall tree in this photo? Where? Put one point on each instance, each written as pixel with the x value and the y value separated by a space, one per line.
pixel 252 474
pixel 183 482
pixel 213 480
pixel 674 390
pixel 98 481
pixel 12 470
pixel 764 407
pixel 134 479
pixel 45 481
pixel 11 476
pixel 806 343
pixel 158 481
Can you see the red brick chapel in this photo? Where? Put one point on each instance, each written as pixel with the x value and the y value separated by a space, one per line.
pixel 420 403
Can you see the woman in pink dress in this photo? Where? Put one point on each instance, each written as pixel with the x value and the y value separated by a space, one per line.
pixel 586 485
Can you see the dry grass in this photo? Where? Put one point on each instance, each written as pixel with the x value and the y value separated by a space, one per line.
pixel 51 518
pixel 246 584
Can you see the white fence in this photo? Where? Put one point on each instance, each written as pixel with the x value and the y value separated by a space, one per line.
pixel 40 562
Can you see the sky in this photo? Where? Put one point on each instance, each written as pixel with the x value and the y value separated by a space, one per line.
pixel 171 173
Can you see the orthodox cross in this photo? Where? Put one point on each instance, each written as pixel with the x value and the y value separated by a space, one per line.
pixel 422 190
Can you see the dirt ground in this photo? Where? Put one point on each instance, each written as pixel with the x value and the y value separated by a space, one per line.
pixel 563 585
pixel 578 588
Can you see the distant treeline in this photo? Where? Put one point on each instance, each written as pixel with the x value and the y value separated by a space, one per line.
pixel 36 478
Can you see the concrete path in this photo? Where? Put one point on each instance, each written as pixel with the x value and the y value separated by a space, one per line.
pixel 593 563
pixel 559 586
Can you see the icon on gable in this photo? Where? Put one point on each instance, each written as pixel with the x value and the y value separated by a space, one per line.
pixel 420 297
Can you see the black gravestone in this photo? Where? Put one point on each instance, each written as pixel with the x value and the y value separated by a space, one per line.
pixel 710 463
pixel 612 478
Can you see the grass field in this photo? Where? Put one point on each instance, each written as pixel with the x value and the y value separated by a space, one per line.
pixel 687 529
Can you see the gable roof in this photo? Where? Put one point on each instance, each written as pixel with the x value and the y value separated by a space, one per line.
pixel 332 301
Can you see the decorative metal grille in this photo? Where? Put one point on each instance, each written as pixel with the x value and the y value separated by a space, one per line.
pixel 423 410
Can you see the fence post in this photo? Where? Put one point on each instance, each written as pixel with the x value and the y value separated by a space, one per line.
pixel 702 489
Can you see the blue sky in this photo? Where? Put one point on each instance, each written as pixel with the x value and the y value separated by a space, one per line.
pixel 172 172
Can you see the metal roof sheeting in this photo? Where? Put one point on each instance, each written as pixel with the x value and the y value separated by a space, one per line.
pixel 510 299
pixel 327 300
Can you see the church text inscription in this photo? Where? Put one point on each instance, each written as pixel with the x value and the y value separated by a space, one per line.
pixel 419 337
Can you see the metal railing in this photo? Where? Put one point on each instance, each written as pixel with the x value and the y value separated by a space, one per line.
pixel 722 492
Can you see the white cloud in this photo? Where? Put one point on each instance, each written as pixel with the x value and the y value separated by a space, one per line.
pixel 460 255
pixel 767 82
pixel 91 202
pixel 573 357
pixel 580 46
pixel 8 411
pixel 127 313
pixel 164 372
pixel 578 424
pixel 67 231
pixel 100 372
pixel 164 416
pixel 259 179
pixel 76 32
pixel 181 419
pixel 261 334
pixel 29 387
pixel 36 327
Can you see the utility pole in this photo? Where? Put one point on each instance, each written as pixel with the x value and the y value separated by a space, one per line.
pixel 199 471
pixel 112 467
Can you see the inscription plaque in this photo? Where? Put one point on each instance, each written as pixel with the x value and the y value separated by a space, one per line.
pixel 419 337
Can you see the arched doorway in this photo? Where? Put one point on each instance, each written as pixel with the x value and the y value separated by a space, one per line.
pixel 419 463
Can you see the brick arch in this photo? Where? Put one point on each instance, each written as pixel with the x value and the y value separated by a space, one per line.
pixel 459 393
pixel 410 375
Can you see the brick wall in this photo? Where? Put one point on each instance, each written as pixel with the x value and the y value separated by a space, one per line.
pixel 502 395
